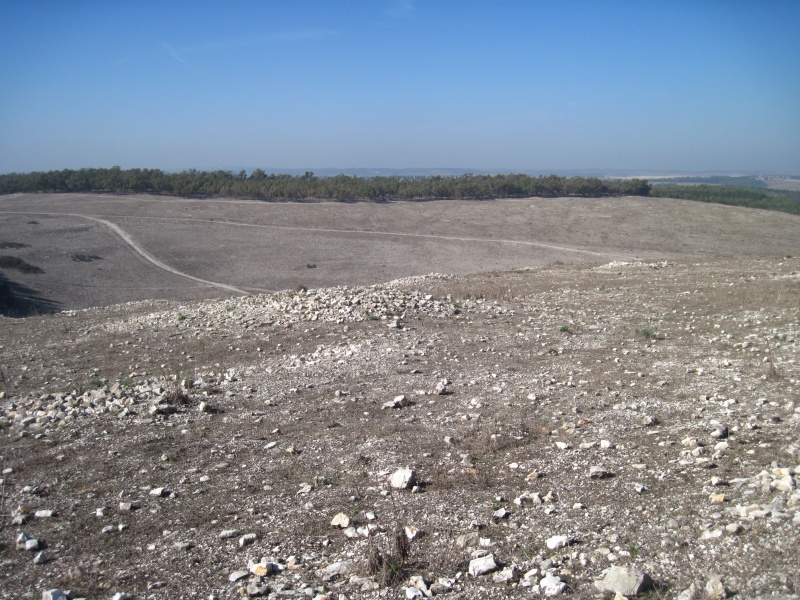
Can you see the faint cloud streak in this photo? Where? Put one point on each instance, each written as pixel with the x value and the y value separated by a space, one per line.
pixel 400 8
pixel 176 55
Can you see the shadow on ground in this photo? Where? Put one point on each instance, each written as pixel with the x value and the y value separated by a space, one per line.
pixel 17 300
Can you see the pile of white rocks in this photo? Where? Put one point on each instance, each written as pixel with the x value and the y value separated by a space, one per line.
pixel 332 305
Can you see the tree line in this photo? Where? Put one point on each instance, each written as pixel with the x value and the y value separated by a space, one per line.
pixel 280 187
pixel 733 195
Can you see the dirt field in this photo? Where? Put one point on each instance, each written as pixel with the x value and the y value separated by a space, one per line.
pixel 254 246
pixel 582 411
pixel 785 183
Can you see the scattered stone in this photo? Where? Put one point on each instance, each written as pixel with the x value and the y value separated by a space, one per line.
pixel 733 528
pixel 238 575
pixel 54 594
pixel 500 514
pixel 628 581
pixel 403 479
pixel 443 585
pixel 157 585
pixel 720 433
pixel 784 484
pixel 398 402
pixel 335 570
pixel 711 534
pixel 263 568
pixel 506 575
pixel 552 585
pixel 158 492
pixel 418 583
pixel 483 565
pixel 20 516
pixel 27 542
pixel 341 520
pixel 247 539
pixel 558 541
pixel 228 534
pixel 469 540
pixel 185 546
pixel 40 559
pixel 598 472
pixel 714 590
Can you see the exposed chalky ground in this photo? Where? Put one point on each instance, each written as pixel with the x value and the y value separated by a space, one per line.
pixel 563 431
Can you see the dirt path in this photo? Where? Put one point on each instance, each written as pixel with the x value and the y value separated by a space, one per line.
pixel 116 229
pixel 430 236
pixel 141 251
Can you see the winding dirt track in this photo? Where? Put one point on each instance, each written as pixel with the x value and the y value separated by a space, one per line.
pixel 125 237
pixel 429 236
pixel 152 259
pixel 136 247
pixel 145 254
pixel 188 249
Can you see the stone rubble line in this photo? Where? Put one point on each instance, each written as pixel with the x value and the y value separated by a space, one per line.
pixel 334 305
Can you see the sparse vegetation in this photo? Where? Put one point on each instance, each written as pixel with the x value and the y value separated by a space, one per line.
pixel 386 563
pixel 85 257
pixel 14 262
pixel 96 383
pixel 647 333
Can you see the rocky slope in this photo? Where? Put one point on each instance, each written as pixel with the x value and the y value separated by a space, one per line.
pixel 578 431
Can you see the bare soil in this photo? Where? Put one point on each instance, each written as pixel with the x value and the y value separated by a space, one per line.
pixel 258 246
pixel 264 414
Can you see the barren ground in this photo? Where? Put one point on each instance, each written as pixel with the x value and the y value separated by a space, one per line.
pixel 675 372
pixel 257 246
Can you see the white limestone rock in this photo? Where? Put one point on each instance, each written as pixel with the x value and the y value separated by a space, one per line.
pixel 403 479
pixel 483 565
pixel 626 580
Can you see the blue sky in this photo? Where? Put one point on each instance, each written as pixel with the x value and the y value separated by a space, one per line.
pixel 524 85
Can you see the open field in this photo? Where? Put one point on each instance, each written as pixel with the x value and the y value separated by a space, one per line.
pixel 570 409
pixel 784 183
pixel 77 240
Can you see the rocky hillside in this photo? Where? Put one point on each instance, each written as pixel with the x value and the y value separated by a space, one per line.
pixel 585 432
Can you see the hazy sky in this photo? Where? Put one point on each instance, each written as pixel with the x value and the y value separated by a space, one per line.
pixel 686 85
